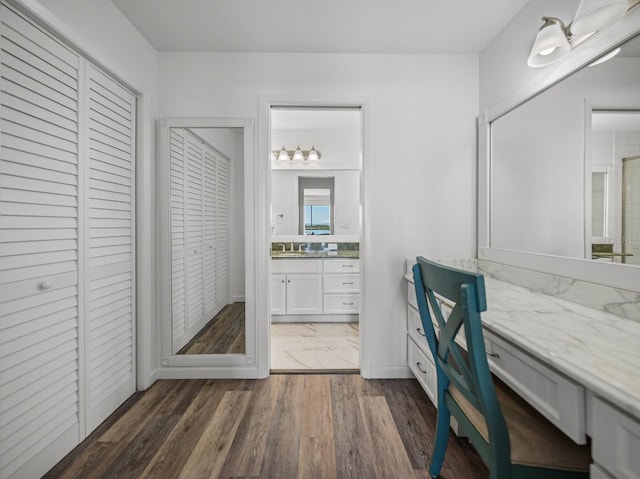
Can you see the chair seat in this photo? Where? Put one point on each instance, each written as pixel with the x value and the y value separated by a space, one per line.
pixel 535 441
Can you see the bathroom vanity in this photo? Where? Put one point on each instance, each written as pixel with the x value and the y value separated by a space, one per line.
pixel 315 287
pixel 575 364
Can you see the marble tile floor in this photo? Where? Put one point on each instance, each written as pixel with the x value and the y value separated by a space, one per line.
pixel 314 346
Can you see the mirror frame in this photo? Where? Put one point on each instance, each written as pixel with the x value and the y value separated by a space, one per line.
pixel 608 274
pixel 205 365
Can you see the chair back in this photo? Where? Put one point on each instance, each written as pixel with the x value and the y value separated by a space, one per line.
pixel 464 374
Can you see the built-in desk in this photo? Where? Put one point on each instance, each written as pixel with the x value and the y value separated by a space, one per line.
pixel 578 366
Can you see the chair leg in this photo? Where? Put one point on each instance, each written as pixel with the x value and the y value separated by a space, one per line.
pixel 442 437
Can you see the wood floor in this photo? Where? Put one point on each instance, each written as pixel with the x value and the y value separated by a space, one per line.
pixel 282 427
pixel 224 334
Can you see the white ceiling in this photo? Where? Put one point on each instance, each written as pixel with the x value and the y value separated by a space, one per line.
pixel 320 26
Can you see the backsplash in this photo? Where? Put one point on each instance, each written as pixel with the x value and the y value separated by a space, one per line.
pixel 620 302
pixel 616 301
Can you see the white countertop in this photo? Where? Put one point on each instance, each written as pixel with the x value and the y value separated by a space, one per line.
pixel 599 350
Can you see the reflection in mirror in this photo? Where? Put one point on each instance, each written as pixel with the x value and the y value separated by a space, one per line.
pixel 315 206
pixel 538 159
pixel 207 241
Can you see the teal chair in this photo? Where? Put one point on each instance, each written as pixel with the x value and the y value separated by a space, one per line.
pixel 512 438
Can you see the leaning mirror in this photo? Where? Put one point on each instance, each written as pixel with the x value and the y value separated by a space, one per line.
pixel 564 166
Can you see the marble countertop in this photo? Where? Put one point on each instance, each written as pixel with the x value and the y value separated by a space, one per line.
pixel 314 254
pixel 599 350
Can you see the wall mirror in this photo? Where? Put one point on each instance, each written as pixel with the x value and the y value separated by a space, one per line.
pixel 557 163
pixel 201 198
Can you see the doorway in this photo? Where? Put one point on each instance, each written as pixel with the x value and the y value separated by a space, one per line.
pixel 316 163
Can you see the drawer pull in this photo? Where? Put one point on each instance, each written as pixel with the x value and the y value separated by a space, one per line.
pixel 418 365
pixel 347 283
pixel 45 285
pixel 347 266
pixel 421 332
pixel 494 355
pixel 347 304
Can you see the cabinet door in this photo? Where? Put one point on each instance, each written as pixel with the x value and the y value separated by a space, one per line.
pixel 194 210
pixel 178 237
pixel 304 294
pixel 109 209
pixel 39 262
pixel 222 231
pixel 209 232
pixel 278 293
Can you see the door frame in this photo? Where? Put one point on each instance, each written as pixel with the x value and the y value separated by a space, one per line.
pixel 263 220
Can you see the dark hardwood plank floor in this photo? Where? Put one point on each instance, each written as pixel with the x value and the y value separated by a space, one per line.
pixel 283 427
pixel 224 334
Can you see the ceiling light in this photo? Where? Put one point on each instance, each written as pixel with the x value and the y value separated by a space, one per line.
pixel 297 155
pixel 283 155
pixel 551 43
pixel 594 15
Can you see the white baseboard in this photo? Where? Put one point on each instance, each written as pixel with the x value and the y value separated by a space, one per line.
pixel 314 318
pixel 388 372
pixel 239 298
pixel 207 373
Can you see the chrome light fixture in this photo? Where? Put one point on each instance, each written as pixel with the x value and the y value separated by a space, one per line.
pixel 594 15
pixel 551 43
pixel 283 155
pixel 296 155
pixel 313 154
pixel 553 40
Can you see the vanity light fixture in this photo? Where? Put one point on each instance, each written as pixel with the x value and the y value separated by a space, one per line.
pixel 594 15
pixel 296 155
pixel 283 155
pixel 551 43
pixel 553 39
pixel 605 57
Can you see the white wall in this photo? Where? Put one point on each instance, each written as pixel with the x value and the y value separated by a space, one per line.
pixel 110 40
pixel 419 159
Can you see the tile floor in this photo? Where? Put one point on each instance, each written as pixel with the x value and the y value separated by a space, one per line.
pixel 313 346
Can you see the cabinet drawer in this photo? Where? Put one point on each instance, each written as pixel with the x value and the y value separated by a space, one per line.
pixel 296 266
pixel 341 283
pixel 341 266
pixel 411 295
pixel 616 441
pixel 556 397
pixel 414 328
pixel 342 303
pixel 423 368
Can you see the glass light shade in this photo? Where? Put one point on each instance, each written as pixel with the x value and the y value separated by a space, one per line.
pixel 297 155
pixel 551 44
pixel 283 155
pixel 594 15
pixel 605 57
pixel 313 154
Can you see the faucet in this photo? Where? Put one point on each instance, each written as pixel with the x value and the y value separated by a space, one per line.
pixel 300 247
pixel 283 248
pixel 291 245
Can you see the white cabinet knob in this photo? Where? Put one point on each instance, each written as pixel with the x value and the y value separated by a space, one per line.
pixel 45 285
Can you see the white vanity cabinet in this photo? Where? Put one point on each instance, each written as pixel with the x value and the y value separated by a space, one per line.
pixel 616 442
pixel 317 289
pixel 296 286
pixel 341 285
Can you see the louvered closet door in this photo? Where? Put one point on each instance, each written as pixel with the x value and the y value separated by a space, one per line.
pixel 209 232
pixel 194 211
pixel 39 264
pixel 222 230
pixel 178 233
pixel 109 190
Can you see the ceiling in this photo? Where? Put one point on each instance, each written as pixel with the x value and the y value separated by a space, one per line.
pixel 321 26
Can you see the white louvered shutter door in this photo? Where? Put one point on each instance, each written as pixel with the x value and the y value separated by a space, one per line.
pixel 209 229
pixel 222 230
pixel 177 191
pixel 110 275
pixel 39 263
pixel 194 210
